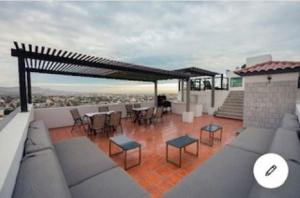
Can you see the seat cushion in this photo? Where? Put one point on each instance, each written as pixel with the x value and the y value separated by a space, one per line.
pixel 37 138
pixel 226 174
pixel 257 140
pixel 114 183
pixel 290 121
pixel 289 189
pixel 81 159
pixel 40 175
pixel 286 144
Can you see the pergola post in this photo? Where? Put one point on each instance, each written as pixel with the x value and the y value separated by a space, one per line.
pixel 155 94
pixel 22 84
pixel 188 89
pixel 213 92
pixel 29 87
pixel 188 115
pixel 182 90
pixel 222 81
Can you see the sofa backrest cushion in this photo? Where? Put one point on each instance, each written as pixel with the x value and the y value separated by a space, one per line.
pixel 40 175
pixel 290 121
pixel 37 138
pixel 286 144
pixel 289 189
pixel 81 159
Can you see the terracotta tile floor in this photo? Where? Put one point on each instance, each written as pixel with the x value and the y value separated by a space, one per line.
pixel 155 175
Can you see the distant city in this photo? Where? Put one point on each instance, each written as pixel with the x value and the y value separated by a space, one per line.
pixel 9 101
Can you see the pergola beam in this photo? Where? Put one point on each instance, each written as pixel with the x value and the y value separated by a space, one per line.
pixel 88 62
pixel 85 75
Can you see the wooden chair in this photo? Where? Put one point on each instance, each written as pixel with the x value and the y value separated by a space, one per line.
pixel 78 120
pixel 114 121
pixel 103 109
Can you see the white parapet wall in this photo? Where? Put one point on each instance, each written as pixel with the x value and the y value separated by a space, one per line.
pixel 12 138
pixel 204 98
pixel 61 117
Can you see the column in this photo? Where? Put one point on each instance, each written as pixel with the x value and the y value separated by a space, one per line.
pixel 22 85
pixel 29 87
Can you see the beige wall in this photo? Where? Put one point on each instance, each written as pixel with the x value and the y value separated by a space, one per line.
pixel 266 102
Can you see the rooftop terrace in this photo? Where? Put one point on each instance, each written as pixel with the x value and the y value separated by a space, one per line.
pixel 154 174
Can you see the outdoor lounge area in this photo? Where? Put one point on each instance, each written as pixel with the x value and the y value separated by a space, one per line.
pixel 137 150
pixel 155 174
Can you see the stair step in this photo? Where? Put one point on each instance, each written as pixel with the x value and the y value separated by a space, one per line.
pixel 229 116
pixel 230 109
pixel 239 114
pixel 240 104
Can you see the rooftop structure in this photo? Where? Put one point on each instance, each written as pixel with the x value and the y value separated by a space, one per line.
pixel 270 67
pixel 45 156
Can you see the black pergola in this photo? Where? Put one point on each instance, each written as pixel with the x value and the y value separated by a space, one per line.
pixel 196 72
pixel 52 61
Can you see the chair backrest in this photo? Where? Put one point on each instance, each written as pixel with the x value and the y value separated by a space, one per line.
pixel 207 84
pixel 115 118
pixel 103 109
pixel 159 112
pixel 149 113
pixel 128 107
pixel 137 105
pixel 75 114
pixel 99 121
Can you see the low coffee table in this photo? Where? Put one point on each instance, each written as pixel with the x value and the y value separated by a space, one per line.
pixel 181 142
pixel 125 144
pixel 211 129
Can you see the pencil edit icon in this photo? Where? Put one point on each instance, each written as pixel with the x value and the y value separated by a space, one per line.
pixel 271 170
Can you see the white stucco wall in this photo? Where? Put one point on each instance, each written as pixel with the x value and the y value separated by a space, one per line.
pixel 12 138
pixel 61 117
pixel 275 77
pixel 204 98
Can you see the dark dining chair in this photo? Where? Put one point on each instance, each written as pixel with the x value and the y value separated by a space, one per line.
pixel 147 117
pixel 103 109
pixel 99 123
pixel 114 121
pixel 78 120
pixel 158 114
pixel 129 111
pixel 137 105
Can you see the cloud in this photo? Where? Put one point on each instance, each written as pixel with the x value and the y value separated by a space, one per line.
pixel 169 35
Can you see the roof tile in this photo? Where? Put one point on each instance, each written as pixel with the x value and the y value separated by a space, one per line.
pixel 268 67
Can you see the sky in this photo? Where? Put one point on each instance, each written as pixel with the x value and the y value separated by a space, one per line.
pixel 168 35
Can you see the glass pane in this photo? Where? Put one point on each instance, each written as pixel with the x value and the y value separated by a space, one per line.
pixel 236 82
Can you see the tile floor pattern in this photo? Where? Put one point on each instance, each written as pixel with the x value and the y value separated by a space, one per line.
pixel 154 174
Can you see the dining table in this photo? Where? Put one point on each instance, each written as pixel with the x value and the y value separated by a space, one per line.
pixel 138 111
pixel 91 115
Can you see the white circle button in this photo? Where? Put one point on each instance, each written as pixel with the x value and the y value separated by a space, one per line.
pixel 270 170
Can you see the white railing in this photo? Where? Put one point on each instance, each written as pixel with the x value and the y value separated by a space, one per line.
pixel 61 117
pixel 12 138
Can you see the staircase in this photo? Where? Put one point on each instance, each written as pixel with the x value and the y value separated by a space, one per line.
pixel 232 106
